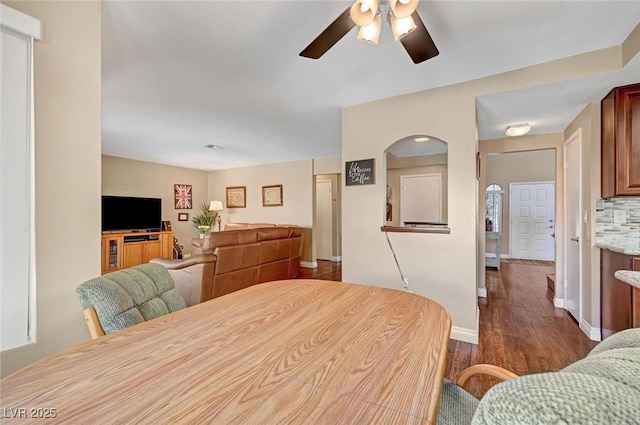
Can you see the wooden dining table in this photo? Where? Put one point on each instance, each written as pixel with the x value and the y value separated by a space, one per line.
pixel 284 352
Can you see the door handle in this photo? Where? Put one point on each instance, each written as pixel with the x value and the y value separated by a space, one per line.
pixel 576 239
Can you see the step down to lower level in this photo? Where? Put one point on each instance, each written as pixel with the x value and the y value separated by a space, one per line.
pixel 551 286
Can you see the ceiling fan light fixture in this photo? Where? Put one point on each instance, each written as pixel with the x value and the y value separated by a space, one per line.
pixel 371 32
pixel 518 129
pixel 403 8
pixel 363 12
pixel 401 26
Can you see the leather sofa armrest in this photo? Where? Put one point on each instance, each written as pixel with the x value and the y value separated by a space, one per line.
pixel 197 246
pixel 193 277
pixel 185 262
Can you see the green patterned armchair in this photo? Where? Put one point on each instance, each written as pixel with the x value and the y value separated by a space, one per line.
pixel 603 388
pixel 127 297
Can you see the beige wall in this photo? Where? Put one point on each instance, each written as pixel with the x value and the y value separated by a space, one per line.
pixel 127 177
pixel 441 267
pixel 296 178
pixel 331 165
pixel 588 123
pixel 517 167
pixel 67 135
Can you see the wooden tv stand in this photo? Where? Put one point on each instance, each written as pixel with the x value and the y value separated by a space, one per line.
pixel 128 249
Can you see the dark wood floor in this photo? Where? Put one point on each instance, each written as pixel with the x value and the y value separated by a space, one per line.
pixel 326 270
pixel 520 329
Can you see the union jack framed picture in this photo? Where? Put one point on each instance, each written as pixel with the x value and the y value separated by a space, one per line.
pixel 183 196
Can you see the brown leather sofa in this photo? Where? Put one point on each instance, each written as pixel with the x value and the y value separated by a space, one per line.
pixel 224 262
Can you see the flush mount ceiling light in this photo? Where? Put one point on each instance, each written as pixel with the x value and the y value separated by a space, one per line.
pixel 517 130
pixel 421 139
pixel 213 147
pixel 402 15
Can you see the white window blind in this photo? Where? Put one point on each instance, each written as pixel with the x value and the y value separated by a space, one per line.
pixel 17 251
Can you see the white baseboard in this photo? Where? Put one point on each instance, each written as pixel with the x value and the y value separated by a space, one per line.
pixel 336 259
pixel 592 333
pixel 558 302
pixel 493 255
pixel 309 264
pixel 464 335
pixel 482 292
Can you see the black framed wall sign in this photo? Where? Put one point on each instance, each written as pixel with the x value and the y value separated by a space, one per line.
pixel 360 172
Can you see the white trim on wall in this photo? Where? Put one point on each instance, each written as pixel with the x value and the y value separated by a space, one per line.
pixel 309 264
pixel 594 334
pixel 482 292
pixel 464 335
pixel 20 22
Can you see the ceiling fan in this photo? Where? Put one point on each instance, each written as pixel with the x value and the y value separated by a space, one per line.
pixel 403 17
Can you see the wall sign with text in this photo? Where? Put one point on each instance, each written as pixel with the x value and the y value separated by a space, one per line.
pixel 360 172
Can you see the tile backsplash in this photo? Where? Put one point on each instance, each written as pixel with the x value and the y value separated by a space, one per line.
pixel 618 222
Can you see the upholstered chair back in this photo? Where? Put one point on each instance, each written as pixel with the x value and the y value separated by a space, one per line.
pixel 130 296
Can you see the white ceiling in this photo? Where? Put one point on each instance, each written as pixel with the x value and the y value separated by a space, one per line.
pixel 180 75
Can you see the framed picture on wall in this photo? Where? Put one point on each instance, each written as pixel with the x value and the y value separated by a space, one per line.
pixel 272 196
pixel 237 197
pixel 183 216
pixel 183 196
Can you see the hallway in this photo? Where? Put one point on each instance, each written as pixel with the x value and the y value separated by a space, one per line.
pixel 520 329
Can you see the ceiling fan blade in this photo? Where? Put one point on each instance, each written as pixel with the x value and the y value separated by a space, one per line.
pixel 418 43
pixel 330 36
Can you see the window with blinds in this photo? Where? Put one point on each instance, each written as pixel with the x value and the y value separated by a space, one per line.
pixel 17 236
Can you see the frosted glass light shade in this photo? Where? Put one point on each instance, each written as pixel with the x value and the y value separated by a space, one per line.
pixel 401 26
pixel 216 206
pixel 363 12
pixel 518 130
pixel 403 8
pixel 371 33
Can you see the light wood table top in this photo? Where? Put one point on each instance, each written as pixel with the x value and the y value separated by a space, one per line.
pixel 285 352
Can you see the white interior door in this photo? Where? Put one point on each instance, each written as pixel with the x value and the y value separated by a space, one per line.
pixel 532 221
pixel 572 226
pixel 420 198
pixel 324 221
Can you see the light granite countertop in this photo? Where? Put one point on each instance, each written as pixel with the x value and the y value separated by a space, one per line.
pixel 628 276
pixel 619 248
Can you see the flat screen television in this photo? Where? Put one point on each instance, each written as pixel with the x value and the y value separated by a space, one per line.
pixel 128 213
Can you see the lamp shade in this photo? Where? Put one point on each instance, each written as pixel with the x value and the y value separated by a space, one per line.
pixel 401 26
pixel 403 8
pixel 371 33
pixel 518 130
pixel 363 12
pixel 216 206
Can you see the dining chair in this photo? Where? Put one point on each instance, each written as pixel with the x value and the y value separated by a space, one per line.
pixel 602 388
pixel 127 297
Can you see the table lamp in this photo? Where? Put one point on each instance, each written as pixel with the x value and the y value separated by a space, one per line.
pixel 217 207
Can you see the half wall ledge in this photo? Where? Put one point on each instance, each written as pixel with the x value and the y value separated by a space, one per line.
pixel 429 229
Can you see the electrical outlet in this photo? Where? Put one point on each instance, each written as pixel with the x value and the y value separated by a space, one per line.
pixel 619 217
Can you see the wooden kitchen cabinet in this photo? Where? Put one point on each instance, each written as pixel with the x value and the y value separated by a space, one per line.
pixel 620 115
pixel 619 301
pixel 124 250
